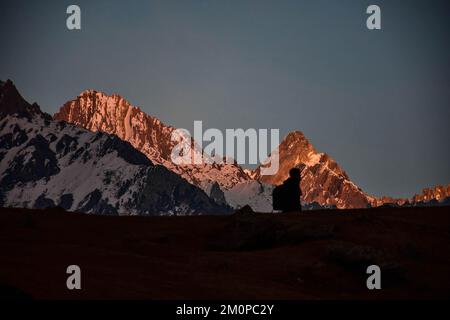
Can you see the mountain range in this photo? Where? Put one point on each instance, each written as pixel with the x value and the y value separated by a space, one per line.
pixel 108 156
pixel 47 163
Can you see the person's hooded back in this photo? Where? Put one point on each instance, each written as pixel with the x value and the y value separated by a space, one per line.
pixel 292 191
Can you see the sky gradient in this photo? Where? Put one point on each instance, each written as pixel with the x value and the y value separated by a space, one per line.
pixel 376 101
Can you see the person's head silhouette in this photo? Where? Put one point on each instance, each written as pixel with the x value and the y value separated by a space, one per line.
pixel 294 173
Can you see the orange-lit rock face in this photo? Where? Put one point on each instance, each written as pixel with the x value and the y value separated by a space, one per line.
pixel 438 193
pixel 97 111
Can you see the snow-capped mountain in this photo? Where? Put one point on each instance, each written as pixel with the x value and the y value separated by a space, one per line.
pixel 47 163
pixel 323 181
pixel 97 111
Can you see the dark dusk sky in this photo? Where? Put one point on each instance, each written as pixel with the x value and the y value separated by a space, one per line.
pixel 378 102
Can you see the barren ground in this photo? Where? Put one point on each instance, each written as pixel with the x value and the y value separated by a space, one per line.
pixel 319 255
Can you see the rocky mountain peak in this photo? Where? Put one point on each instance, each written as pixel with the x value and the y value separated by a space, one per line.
pixel 11 102
pixel 296 141
pixel 323 180
pixel 97 111
pixel 438 193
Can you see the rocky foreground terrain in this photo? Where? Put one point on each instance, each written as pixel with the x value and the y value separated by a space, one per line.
pixel 320 255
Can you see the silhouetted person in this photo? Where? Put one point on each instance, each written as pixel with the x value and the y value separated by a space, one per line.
pixel 286 197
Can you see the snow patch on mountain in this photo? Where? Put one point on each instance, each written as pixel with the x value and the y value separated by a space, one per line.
pixel 256 194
